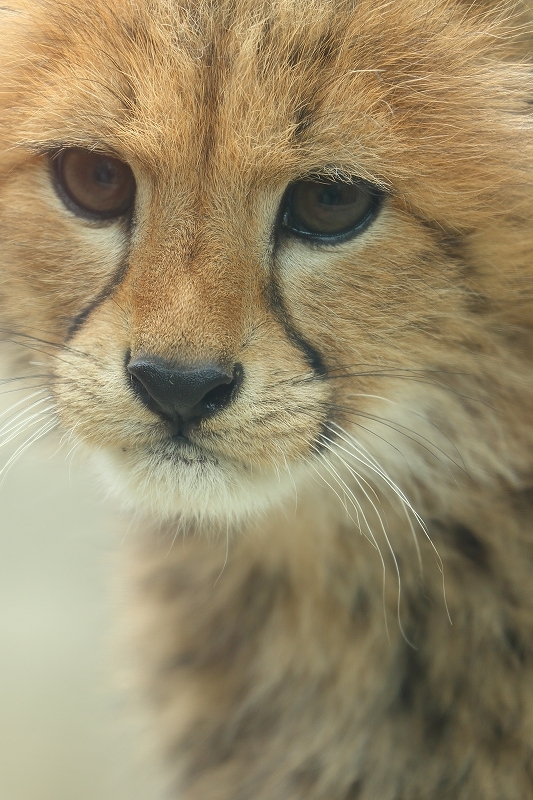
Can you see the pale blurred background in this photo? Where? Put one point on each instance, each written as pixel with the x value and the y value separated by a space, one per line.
pixel 64 730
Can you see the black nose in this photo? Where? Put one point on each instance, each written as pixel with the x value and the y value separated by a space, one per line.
pixel 183 393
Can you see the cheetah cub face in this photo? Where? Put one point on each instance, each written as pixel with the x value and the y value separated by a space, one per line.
pixel 248 242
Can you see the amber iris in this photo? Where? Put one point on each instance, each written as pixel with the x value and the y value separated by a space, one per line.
pixel 326 209
pixel 96 184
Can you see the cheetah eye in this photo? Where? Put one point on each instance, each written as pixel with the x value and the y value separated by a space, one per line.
pixel 95 184
pixel 328 210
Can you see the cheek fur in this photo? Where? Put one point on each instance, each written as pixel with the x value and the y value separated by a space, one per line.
pixel 63 265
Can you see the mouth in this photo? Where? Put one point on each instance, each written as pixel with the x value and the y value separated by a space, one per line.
pixel 180 450
pixel 175 477
pixel 178 477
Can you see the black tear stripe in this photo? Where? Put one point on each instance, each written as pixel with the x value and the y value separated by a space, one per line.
pixel 312 356
pixel 106 292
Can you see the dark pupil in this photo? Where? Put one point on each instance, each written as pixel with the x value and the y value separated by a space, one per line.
pixel 105 173
pixel 330 196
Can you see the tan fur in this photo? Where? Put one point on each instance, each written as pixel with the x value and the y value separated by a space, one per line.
pixel 334 600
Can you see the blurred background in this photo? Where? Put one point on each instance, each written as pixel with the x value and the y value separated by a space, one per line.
pixel 64 732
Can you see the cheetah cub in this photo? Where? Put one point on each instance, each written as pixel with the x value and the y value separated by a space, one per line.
pixel 276 259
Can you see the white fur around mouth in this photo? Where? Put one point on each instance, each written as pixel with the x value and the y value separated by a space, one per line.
pixel 170 480
pixel 181 452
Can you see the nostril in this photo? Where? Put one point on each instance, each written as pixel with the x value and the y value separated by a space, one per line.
pixel 140 391
pixel 219 397
pixel 138 387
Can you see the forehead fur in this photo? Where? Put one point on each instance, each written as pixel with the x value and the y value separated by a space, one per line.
pixel 269 90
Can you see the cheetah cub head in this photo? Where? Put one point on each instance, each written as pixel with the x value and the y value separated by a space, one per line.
pixel 250 240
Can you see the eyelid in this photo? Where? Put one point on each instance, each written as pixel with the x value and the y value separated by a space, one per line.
pixel 53 147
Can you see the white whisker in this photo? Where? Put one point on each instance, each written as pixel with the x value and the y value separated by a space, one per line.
pixel 358 480
pixel 46 428
pixel 359 510
pixel 11 421
pixel 65 440
pixel 24 425
pixel 24 400
pixel 363 456
pixel 342 500
pixel 227 553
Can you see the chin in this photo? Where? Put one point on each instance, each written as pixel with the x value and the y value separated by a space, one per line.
pixel 184 483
